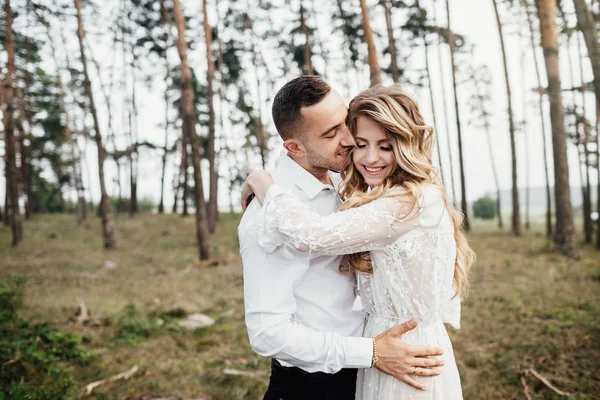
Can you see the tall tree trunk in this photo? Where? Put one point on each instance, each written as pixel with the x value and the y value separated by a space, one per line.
pixel 430 86
pixel 75 151
pixel 11 164
pixel 598 173
pixel 486 125
pixel 542 119
pixel 21 148
pixel 161 204
pixel 587 200
pixel 564 238
pixel 185 163
pixel 213 210
pixel 307 52
pixel 585 20
pixel 463 189
pixel 108 229
pixel 392 43
pixel 188 114
pixel 76 180
pixel 445 103
pixel 372 51
pixel 578 138
pixel 260 131
pixel 516 214
pixel 133 136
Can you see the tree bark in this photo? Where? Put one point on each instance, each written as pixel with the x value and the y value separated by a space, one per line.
pixel 542 119
pixel 189 129
pixel 564 238
pixel 307 51
pixel 516 214
pixel 108 229
pixel 213 209
pixel 9 127
pixel 372 51
pixel 392 43
pixel 463 200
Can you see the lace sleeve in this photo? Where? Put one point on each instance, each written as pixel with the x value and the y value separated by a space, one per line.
pixel 371 226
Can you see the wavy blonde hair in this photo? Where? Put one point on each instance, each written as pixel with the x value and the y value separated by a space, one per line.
pixel 412 142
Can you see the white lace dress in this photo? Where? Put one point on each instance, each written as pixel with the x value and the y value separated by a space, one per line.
pixel 412 252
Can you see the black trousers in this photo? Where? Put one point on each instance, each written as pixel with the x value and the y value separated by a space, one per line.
pixel 291 383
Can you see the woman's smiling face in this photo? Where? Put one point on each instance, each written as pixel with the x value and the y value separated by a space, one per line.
pixel 373 157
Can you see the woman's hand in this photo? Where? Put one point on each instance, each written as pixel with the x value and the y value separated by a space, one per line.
pixel 256 185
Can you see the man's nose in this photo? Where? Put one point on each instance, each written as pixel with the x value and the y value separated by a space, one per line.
pixel 347 139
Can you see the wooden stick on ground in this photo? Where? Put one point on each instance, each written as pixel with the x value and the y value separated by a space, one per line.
pixel 546 382
pixel 525 388
pixel 123 375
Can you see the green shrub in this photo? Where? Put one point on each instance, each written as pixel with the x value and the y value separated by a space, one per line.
pixel 34 357
pixel 484 208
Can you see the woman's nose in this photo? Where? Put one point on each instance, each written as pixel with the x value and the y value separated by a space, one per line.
pixel 372 156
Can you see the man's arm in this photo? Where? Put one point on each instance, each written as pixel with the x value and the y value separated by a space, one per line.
pixel 270 307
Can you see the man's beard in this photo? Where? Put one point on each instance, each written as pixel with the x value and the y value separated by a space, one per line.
pixel 317 160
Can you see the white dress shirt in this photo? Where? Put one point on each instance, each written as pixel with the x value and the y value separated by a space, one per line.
pixel 299 305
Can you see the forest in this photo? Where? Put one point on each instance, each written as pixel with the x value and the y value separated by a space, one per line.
pixel 129 126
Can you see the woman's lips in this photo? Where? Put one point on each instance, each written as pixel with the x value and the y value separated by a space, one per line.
pixel 373 171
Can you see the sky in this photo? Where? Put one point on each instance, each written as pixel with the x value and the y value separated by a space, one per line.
pixel 474 19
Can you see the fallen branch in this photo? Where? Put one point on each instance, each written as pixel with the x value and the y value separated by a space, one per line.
pixel 83 313
pixel 123 375
pixel 525 388
pixel 237 372
pixel 546 382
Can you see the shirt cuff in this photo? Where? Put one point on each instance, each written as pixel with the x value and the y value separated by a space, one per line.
pixel 360 352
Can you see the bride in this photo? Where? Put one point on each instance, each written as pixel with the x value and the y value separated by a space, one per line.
pixel 402 237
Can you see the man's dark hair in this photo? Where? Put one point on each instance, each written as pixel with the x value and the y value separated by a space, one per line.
pixel 303 91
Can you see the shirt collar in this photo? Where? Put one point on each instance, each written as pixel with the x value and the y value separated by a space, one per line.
pixel 306 181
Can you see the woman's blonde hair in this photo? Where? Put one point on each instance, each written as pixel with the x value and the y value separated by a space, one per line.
pixel 412 144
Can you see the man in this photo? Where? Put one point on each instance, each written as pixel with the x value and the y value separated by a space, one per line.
pixel 299 305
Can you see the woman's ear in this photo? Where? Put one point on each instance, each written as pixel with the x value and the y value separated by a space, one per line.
pixel 294 148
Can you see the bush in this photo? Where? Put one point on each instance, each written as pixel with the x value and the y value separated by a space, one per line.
pixel 34 357
pixel 484 208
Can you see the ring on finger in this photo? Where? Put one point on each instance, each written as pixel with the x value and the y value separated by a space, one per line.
pixel 415 371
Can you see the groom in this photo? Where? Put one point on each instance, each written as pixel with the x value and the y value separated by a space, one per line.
pixel 299 305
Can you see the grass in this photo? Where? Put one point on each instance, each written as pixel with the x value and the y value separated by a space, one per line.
pixel 528 308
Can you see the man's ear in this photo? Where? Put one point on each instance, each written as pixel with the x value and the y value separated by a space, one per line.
pixel 294 148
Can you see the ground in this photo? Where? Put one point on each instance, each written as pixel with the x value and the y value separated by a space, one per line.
pixel 528 308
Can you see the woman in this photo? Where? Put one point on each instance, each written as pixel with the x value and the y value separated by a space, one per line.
pixel 402 236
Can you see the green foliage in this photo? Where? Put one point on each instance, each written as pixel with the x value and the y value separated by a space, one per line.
pixel 132 327
pixel 145 204
pixel 34 357
pixel 484 208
